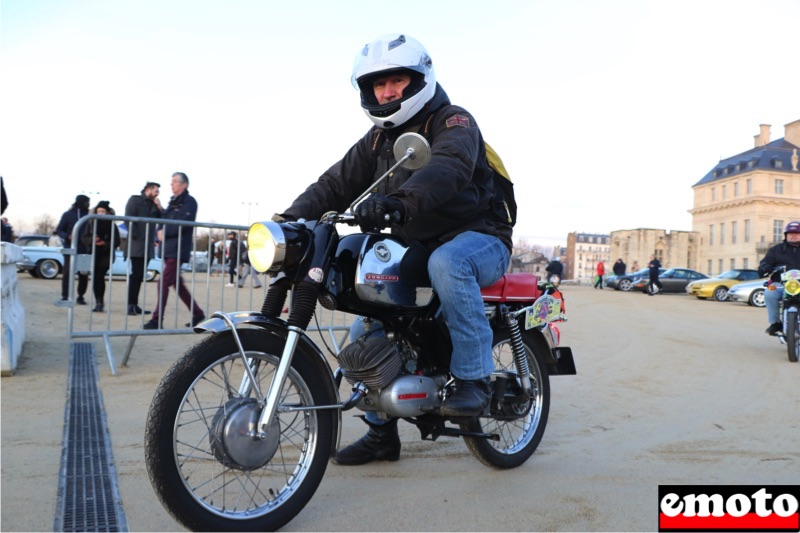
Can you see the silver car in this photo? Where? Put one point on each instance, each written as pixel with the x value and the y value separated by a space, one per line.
pixel 751 292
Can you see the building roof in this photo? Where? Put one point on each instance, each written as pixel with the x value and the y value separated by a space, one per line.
pixel 775 157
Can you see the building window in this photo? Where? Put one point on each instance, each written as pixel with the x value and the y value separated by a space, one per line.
pixel 745 263
pixel 721 266
pixel 751 164
pixel 733 263
pixel 749 186
pixel 711 234
pixel 777 231
pixel 747 230
pixel 733 232
pixel 709 267
pixel 736 189
pixel 778 186
pixel 722 233
pixel 713 194
pixel 777 163
pixel 724 192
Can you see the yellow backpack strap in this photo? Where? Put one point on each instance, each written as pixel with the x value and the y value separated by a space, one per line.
pixel 495 162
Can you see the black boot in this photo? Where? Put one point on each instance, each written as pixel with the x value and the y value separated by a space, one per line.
pixel 469 398
pixel 381 443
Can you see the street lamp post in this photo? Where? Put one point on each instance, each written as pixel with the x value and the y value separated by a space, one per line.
pixel 249 206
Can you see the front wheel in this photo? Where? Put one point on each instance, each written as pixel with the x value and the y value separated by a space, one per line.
pixel 519 426
pixel 720 294
pixel 792 336
pixel 206 466
pixel 625 285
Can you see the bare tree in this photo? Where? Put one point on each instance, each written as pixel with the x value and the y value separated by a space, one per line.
pixel 44 225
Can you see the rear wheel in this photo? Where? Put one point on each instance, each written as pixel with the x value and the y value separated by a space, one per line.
pixel 720 294
pixel 150 275
pixel 792 336
pixel 206 466
pixel 47 268
pixel 757 298
pixel 519 425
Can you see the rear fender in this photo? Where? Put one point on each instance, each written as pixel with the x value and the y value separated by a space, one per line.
pixel 276 326
pixel 558 358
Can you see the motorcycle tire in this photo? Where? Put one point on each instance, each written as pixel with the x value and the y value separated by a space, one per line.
pixel 519 437
pixel 792 336
pixel 205 468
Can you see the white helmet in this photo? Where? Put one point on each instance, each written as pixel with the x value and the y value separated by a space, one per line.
pixel 385 55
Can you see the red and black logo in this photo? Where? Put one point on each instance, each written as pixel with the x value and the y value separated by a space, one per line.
pixel 728 508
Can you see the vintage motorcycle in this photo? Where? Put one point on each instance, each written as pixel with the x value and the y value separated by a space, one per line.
pixel 790 311
pixel 242 426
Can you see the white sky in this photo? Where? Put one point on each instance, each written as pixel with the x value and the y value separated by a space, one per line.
pixel 604 112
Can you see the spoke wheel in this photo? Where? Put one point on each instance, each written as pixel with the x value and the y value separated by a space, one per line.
pixel 205 463
pixel 520 426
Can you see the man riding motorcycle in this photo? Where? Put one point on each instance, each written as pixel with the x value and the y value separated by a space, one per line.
pixel 785 254
pixel 452 206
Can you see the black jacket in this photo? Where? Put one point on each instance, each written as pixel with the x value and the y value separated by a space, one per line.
pixel 779 255
pixel 107 232
pixel 140 205
pixel 554 267
pixel 455 192
pixel 67 224
pixel 181 207
pixel 654 265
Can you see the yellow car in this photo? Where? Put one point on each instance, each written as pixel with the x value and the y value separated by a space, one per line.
pixel 717 288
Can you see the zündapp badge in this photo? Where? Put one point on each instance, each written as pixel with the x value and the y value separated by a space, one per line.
pixel 728 508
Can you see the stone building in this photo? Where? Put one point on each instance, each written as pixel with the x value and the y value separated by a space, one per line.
pixel 675 249
pixel 742 205
pixel 584 251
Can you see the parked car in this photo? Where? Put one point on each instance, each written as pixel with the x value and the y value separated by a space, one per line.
pixel 626 281
pixel 672 280
pixel 718 287
pixel 120 266
pixel 41 257
pixel 750 292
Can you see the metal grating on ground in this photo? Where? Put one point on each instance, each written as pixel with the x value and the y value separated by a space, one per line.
pixel 88 493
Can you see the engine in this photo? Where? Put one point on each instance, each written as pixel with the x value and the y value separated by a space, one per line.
pixel 378 363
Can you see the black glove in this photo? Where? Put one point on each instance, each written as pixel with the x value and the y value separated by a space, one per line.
pixel 371 214
pixel 282 217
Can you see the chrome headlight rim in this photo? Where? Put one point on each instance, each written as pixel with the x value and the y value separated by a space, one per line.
pixel 266 246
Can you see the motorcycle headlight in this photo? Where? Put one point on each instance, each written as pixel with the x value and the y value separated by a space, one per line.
pixel 792 287
pixel 273 247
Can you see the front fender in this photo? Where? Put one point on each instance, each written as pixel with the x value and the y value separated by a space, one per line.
pixel 219 323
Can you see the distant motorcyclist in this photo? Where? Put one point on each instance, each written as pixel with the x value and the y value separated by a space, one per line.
pixel 554 268
pixel 453 206
pixel 785 254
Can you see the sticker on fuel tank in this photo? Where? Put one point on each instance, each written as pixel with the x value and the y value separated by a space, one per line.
pixel 381 277
pixel 316 274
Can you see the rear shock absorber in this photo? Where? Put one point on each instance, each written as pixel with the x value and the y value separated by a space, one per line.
pixel 518 349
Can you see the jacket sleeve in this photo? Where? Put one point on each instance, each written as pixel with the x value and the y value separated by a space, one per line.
pixel 338 186
pixel 769 263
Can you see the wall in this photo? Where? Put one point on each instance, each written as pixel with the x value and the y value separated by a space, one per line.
pixel 12 313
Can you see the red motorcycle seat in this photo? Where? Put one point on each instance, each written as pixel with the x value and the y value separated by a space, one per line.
pixel 514 287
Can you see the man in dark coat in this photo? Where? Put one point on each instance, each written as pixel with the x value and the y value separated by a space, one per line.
pixel 177 242
pixel 140 247
pixel 64 231
pixel 458 206
pixel 654 265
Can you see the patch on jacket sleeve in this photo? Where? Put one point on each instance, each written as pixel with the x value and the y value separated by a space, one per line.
pixel 457 120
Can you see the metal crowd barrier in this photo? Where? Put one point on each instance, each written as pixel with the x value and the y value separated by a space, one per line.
pixel 206 280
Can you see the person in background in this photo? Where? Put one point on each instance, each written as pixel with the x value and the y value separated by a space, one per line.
pixel 785 254
pixel 247 269
pixel 177 242
pixel 654 265
pixel 64 229
pixel 554 268
pixel 106 240
pixel 234 253
pixel 601 269
pixel 635 266
pixel 619 267
pixel 7 232
pixel 141 239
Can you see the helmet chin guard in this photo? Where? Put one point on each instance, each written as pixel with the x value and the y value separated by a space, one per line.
pixel 391 54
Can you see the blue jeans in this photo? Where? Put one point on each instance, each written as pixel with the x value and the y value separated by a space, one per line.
pixel 772 301
pixel 458 270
